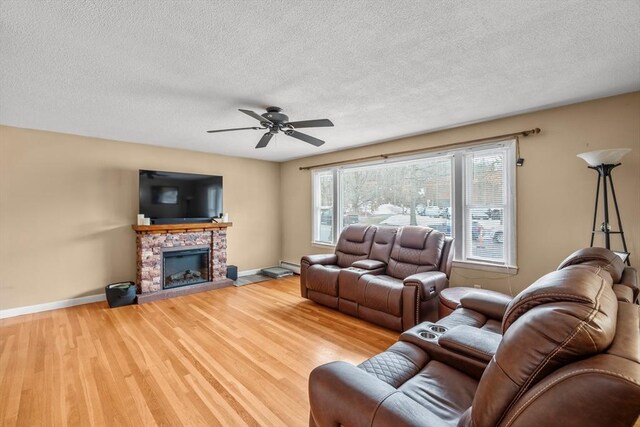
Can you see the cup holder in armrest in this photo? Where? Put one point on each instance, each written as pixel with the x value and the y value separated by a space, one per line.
pixel 456 346
pixel 428 335
pixel 426 332
pixel 438 329
pixel 429 331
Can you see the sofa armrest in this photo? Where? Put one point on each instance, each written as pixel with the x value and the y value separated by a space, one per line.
pixel 337 388
pixel 309 260
pixel 369 264
pixel 630 278
pixel 623 293
pixel 491 304
pixel 424 337
pixel 470 341
pixel 324 259
pixel 429 283
pixel 342 394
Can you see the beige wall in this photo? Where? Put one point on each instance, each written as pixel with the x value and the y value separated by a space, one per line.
pixel 555 189
pixel 67 204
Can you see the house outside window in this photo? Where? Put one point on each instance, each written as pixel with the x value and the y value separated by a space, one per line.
pixel 468 194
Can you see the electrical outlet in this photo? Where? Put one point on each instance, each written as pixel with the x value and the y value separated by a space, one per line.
pixel 477 286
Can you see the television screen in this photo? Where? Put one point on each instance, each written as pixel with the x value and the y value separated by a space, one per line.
pixel 172 197
pixel 164 195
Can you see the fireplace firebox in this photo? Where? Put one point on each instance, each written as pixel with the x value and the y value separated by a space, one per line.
pixel 185 267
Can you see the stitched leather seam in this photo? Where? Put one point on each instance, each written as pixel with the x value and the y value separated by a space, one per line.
pixel 595 347
pixel 546 360
pixel 570 297
pixel 580 326
pixel 404 357
pixel 417 319
pixel 562 378
pixel 375 411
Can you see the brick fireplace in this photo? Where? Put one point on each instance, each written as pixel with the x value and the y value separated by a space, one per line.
pixel 155 242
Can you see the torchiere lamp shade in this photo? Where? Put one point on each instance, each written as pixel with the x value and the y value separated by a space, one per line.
pixel 604 157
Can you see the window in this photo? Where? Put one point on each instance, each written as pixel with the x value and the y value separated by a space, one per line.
pixel 468 194
pixel 323 207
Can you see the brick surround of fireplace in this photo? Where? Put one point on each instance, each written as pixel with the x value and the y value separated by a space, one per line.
pixel 153 240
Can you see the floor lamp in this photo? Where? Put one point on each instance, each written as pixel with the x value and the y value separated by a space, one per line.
pixel 603 162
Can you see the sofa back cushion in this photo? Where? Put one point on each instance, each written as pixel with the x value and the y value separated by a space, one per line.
pixel 565 316
pixel 383 242
pixel 598 257
pixel 354 244
pixel 415 250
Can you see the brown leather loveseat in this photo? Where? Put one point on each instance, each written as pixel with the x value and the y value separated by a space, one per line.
pixel 567 353
pixel 386 275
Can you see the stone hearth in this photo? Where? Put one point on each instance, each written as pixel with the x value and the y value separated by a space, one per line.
pixel 153 240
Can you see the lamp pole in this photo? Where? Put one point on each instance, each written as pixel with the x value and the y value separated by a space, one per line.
pixel 603 162
pixel 604 172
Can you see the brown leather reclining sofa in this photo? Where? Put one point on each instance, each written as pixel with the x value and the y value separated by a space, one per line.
pixel 386 275
pixel 565 352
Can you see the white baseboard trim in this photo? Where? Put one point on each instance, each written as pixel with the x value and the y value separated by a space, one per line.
pixel 290 266
pixel 19 311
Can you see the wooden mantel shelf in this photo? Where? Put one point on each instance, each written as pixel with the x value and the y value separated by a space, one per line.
pixel 179 228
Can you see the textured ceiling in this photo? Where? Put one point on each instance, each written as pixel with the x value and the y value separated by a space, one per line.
pixel 164 72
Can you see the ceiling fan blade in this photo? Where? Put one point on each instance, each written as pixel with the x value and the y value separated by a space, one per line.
pixel 227 130
pixel 304 137
pixel 264 140
pixel 255 115
pixel 320 123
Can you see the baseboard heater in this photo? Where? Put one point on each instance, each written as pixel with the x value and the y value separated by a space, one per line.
pixel 290 266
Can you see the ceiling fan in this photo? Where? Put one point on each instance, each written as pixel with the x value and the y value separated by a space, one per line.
pixel 274 120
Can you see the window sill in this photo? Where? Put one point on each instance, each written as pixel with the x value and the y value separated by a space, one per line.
pixel 323 245
pixel 511 270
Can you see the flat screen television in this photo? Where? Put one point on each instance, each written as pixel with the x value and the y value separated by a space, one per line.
pixel 174 198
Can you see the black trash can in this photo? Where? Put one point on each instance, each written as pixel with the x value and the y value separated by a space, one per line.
pixel 120 293
pixel 232 272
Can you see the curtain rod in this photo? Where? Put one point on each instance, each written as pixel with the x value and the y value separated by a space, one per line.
pixel 422 150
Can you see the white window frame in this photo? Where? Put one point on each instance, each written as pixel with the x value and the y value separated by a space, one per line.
pixel 461 190
pixel 458 201
pixel 316 208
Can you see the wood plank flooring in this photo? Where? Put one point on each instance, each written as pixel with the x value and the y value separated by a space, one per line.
pixel 229 357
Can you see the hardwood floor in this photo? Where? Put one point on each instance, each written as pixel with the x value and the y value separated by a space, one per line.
pixel 229 357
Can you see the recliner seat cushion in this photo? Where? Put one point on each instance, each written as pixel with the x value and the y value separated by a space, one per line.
pixel 444 390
